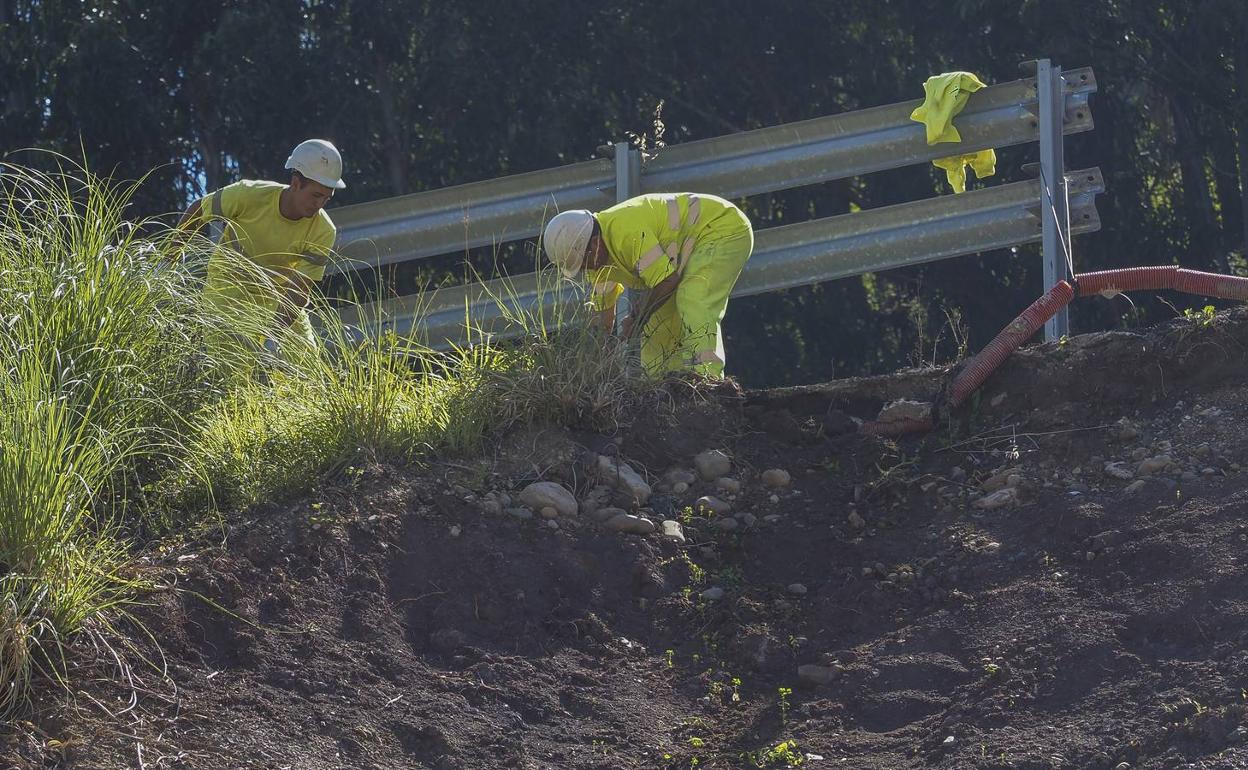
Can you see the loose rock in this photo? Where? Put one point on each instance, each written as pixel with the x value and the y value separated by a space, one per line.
pixel 627 522
pixel 672 530
pixel 1118 471
pixel 904 410
pixel 998 499
pixel 727 524
pixel 856 521
pixel 1133 487
pixel 712 464
pixel 606 514
pixel 712 505
pixel 713 594
pixel 797 589
pixel 728 485
pixel 621 476
pixel 548 494
pixel 776 478
pixel 818 675
pixel 1126 430
pixel 999 480
pixel 1154 465
pixel 680 476
pixel 520 513
pixel 550 513
pixel 680 488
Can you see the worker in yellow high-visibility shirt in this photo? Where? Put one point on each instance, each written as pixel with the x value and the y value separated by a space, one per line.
pixel 685 250
pixel 285 238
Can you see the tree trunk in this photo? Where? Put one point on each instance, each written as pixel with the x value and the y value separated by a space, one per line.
pixel 1197 203
pixel 392 136
pixel 1226 180
pixel 1241 127
pixel 211 157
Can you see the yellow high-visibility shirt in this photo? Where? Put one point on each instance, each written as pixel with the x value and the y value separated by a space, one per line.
pixel 650 237
pixel 945 96
pixel 255 226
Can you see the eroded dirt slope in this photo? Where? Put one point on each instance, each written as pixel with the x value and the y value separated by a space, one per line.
pixel 1053 579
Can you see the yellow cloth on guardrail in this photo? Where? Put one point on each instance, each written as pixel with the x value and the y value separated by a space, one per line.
pixel 944 97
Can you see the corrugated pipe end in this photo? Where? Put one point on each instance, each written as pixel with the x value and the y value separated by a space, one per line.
pixel 1007 341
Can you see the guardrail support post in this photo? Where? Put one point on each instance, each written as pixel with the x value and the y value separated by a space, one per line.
pixel 1054 200
pixel 627 185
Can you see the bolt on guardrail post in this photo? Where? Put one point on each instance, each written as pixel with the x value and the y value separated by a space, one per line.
pixel 627 185
pixel 1054 200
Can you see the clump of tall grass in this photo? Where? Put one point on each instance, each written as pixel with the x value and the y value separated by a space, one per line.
pixel 97 359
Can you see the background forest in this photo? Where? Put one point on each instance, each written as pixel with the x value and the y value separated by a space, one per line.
pixel 421 95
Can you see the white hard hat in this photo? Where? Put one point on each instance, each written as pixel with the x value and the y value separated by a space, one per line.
pixel 319 161
pixel 566 238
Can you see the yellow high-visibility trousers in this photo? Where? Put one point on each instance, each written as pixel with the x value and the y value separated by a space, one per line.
pixel 684 333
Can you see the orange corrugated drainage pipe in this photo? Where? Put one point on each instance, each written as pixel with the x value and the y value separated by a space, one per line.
pixel 1105 282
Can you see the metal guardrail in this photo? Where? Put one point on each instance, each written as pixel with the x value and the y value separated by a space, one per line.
pixel 454 219
pixel 784 257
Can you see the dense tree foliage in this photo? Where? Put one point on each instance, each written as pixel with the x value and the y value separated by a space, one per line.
pixel 423 94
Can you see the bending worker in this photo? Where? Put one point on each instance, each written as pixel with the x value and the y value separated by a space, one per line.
pixel 285 237
pixel 684 250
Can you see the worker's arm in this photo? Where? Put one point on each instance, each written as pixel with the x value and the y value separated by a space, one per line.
pixel 189 217
pixel 602 301
pixel 188 224
pixel 294 297
pixel 654 299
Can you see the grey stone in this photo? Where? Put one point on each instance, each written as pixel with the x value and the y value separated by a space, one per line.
pixel 520 513
pixel 1154 465
pixel 627 522
pixel 713 594
pixel 728 485
pixel 904 409
pixel 747 519
pixel 818 675
pixel 679 488
pixel 680 476
pixel 999 480
pixel 1118 471
pixel 856 521
pixel 548 494
pixel 727 524
pixel 608 513
pixel 712 464
pixel 1126 430
pixel 776 478
pixel 619 475
pixel 672 530
pixel 713 505
pixel 797 589
pixel 998 499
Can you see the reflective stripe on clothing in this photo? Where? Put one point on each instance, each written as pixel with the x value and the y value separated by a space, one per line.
pixel 649 258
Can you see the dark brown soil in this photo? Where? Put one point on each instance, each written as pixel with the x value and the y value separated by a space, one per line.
pixel 386 621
